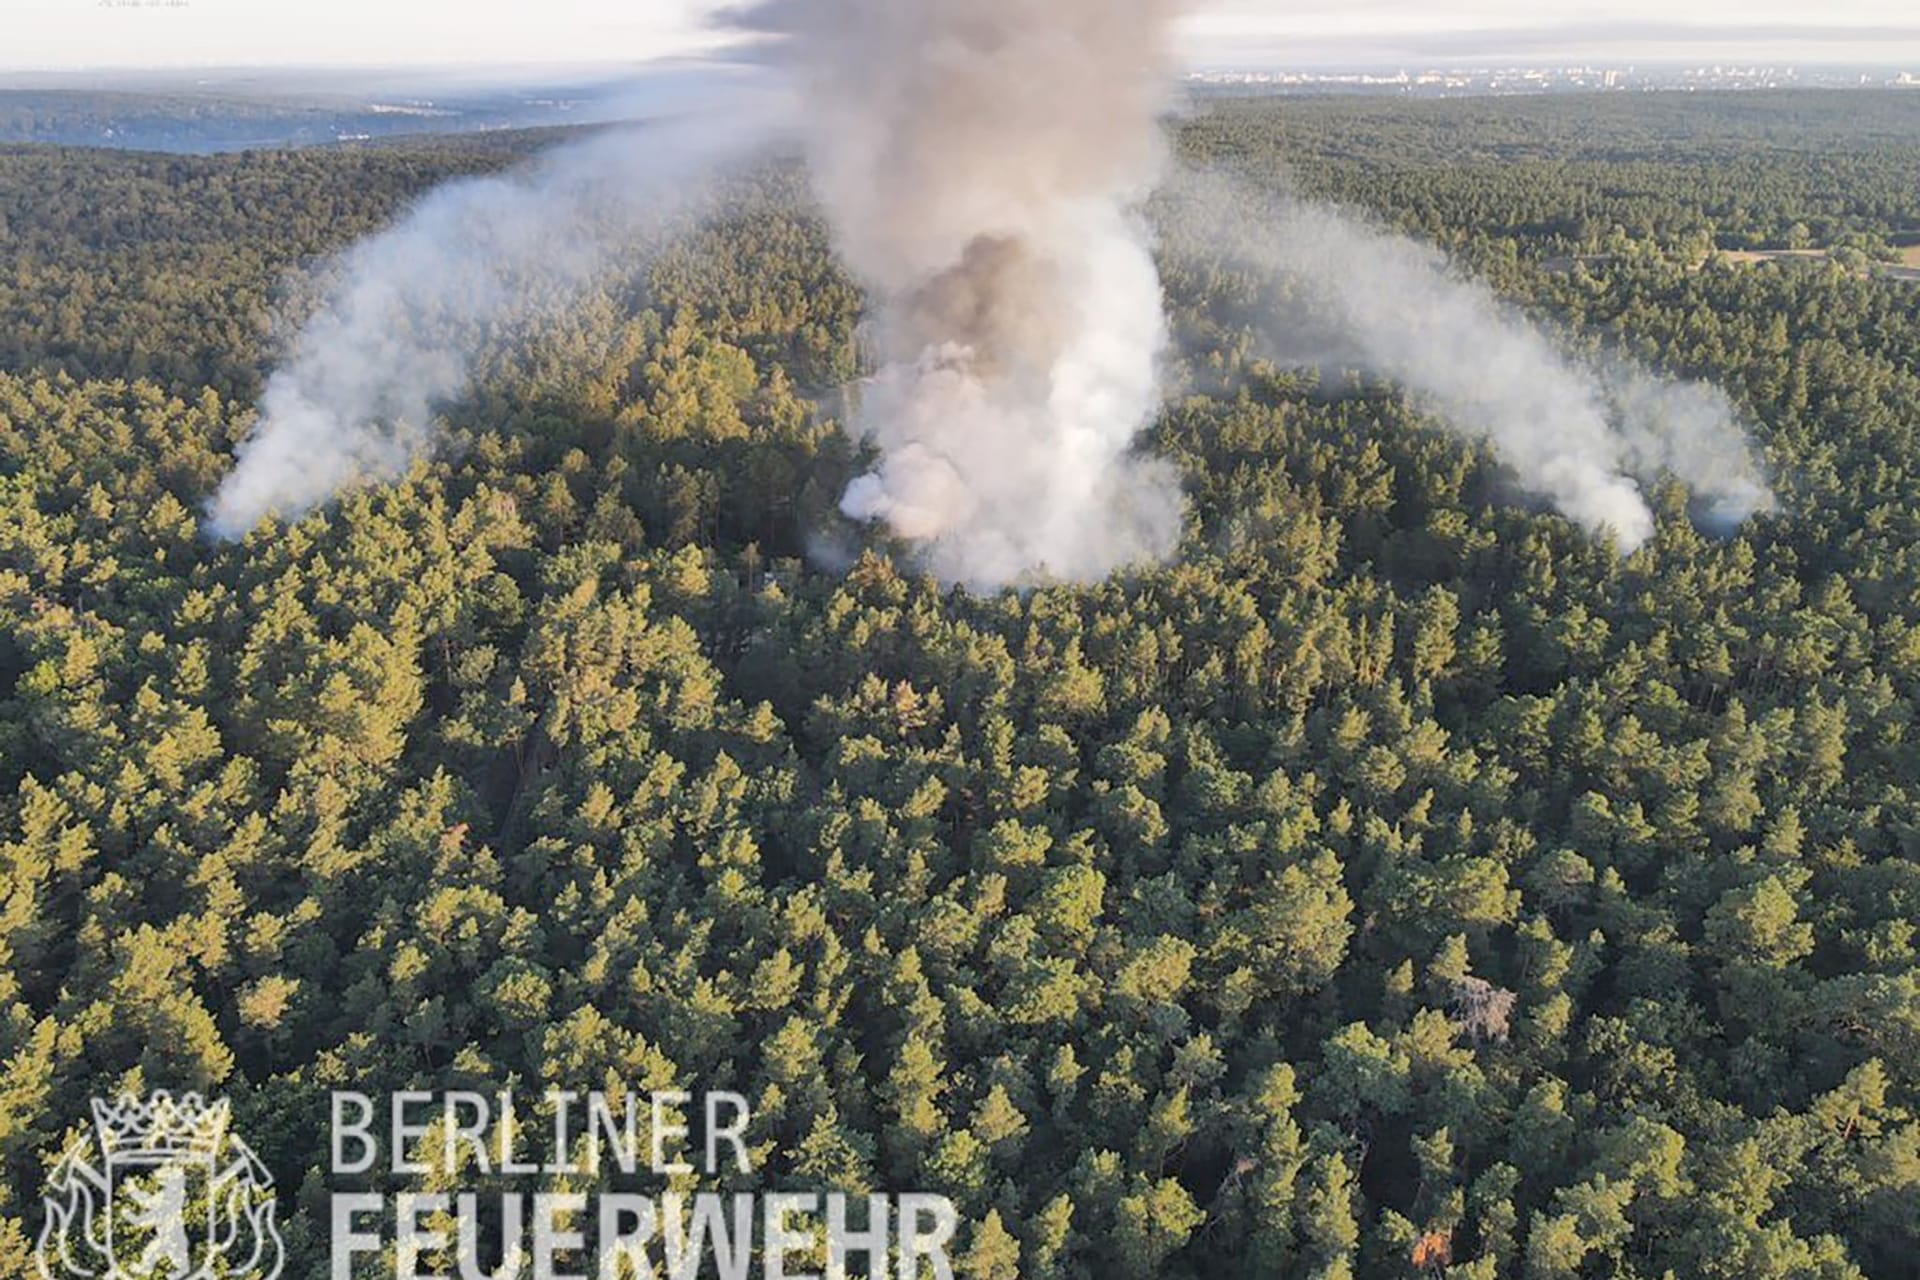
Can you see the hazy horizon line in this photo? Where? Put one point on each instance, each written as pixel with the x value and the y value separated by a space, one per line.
pixel 1892 46
pixel 505 76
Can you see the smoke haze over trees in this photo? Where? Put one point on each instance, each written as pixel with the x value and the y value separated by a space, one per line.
pixel 1587 439
pixel 984 167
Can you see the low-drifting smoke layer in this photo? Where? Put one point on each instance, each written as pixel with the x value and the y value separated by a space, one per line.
pixel 1583 438
pixel 982 162
pixel 397 334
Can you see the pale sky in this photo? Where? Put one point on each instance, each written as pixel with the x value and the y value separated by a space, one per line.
pixel 84 34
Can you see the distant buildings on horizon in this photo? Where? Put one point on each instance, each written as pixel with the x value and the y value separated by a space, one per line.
pixel 1462 81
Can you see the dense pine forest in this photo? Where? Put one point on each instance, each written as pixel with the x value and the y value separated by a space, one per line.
pixel 1400 884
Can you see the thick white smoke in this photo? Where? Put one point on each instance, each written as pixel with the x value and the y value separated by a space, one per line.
pixel 982 163
pixel 1689 430
pixel 412 307
pixel 1583 438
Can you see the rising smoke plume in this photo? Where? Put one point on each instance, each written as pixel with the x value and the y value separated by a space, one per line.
pixel 396 335
pixel 982 163
pixel 1584 437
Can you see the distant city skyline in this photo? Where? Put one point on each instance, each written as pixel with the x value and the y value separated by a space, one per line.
pixel 1389 32
pixel 78 35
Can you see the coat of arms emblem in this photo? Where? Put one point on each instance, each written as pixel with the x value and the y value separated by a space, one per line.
pixel 165 1191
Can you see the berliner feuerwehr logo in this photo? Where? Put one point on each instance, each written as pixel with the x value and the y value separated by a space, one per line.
pixel 165 1191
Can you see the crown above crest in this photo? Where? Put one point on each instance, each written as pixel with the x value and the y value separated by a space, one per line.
pixel 162 1126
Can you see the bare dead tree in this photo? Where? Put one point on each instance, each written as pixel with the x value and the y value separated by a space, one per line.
pixel 1481 1011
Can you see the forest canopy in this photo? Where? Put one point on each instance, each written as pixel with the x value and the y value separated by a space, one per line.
pixel 1400 883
